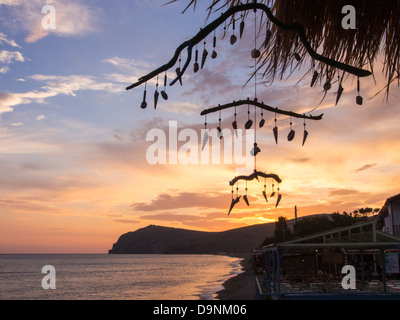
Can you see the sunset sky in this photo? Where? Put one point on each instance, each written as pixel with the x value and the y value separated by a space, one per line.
pixel 73 169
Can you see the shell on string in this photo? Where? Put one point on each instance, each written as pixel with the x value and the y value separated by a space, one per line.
pixel 262 123
pixel 220 135
pixel 314 78
pixel 255 151
pixel 291 135
pixel 241 28
pixel 246 200
pixel 144 103
pixel 164 94
pixel 265 196
pixel 275 130
pixel 204 57
pixel 205 140
pixel 278 200
pixel 359 100
pixel 305 137
pixel 297 57
pixel 196 66
pixel 255 53
pixel 339 93
pixel 233 203
pixel 214 53
pixel 233 39
pixel 327 86
pixel 156 95
pixel 178 73
pixel 248 124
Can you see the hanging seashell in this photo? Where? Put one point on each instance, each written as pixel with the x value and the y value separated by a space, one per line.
pixel 164 95
pixel 267 38
pixel 246 200
pixel 359 100
pixel 265 196
pixel 262 123
pixel 297 57
pixel 255 53
pixel 233 203
pixel 156 95
pixel 248 124
pixel 220 135
pixel 291 135
pixel 178 73
pixel 339 93
pixel 233 39
pixel 214 53
pixel 234 125
pixel 205 140
pixel 256 150
pixel 327 86
pixel 272 194
pixel 204 58
pixel 276 134
pixel 196 66
pixel 241 28
pixel 314 78
pixel 144 103
pixel 278 200
pixel 305 137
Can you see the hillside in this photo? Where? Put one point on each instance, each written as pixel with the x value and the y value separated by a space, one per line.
pixel 164 240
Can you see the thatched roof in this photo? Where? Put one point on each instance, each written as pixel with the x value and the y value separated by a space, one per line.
pixel 377 33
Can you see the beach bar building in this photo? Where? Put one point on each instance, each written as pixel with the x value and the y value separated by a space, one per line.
pixel 311 267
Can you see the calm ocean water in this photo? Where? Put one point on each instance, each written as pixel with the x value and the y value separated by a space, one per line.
pixel 116 277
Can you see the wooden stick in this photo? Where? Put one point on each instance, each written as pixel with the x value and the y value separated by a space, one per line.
pixel 203 33
pixel 261 106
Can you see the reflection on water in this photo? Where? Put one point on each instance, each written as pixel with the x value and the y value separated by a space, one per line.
pixel 120 277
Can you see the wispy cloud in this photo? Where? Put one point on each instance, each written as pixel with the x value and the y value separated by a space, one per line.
pixel 72 18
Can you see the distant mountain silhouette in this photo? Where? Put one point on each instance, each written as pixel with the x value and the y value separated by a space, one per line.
pixel 164 240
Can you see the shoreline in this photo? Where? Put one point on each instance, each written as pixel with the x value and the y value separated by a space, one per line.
pixel 241 286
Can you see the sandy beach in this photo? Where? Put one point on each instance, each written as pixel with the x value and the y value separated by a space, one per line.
pixel 242 286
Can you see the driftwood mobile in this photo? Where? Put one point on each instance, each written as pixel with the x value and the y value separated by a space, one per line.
pixel 276 37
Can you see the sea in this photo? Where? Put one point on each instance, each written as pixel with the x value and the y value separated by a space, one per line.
pixel 114 277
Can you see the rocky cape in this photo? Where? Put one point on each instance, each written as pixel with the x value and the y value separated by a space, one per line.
pixel 165 240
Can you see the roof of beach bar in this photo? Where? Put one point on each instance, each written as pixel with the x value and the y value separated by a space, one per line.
pixel 358 236
pixel 376 37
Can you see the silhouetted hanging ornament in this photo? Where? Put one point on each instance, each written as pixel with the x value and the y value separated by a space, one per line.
pixel 206 135
pixel 234 200
pixel 144 103
pixel 241 26
pixel 219 130
pixel 156 95
pixel 314 78
pixel 292 133
pixel 305 133
pixel 196 66
pixel 297 57
pixel 255 151
pixel 262 122
pixel 178 71
pixel 233 37
pixel 235 125
pixel 163 92
pixel 249 122
pixel 275 130
pixel 255 53
pixel 359 99
pixel 278 200
pixel 214 53
pixel 204 56
pixel 265 191
pixel 245 197
pixel 273 191
pixel 339 93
